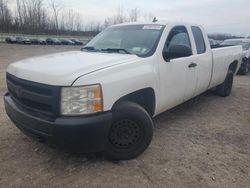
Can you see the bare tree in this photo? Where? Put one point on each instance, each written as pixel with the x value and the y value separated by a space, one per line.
pixel 148 17
pixel 134 15
pixel 36 14
pixel 5 16
pixel 93 26
pixel 31 16
pixel 19 12
pixel 56 9
pixel 119 17
pixel 78 22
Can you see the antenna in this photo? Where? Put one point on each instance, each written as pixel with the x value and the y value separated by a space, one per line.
pixel 155 20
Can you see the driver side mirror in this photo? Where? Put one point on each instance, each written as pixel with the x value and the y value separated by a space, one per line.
pixel 176 51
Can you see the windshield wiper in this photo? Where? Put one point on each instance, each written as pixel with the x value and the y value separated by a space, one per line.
pixel 89 48
pixel 116 50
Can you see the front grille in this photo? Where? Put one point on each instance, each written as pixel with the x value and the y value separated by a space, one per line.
pixel 40 100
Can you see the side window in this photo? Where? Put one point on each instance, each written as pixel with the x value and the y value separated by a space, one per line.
pixel 178 36
pixel 199 40
pixel 177 44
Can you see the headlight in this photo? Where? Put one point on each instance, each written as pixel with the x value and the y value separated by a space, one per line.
pixel 81 100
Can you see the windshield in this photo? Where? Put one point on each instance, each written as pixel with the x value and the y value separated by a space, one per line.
pixel 140 40
pixel 245 45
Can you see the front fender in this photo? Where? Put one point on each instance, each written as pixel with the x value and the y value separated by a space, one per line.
pixel 122 80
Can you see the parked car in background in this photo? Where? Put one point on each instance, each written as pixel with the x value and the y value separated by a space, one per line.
pixel 38 41
pixel 10 40
pixel 53 41
pixel 213 42
pixel 67 42
pixel 42 41
pixel 76 41
pixel 103 98
pixel 34 41
pixel 23 40
pixel 245 43
pixel 19 40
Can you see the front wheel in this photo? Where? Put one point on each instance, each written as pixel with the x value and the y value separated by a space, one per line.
pixel 131 132
pixel 225 88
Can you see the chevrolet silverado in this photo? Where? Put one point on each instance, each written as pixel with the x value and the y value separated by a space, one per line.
pixel 103 97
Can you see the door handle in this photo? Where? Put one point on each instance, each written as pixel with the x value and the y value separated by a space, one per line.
pixel 192 65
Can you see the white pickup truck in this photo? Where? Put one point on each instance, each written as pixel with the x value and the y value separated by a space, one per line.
pixel 103 97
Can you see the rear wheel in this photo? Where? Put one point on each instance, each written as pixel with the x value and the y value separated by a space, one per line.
pixel 131 132
pixel 225 88
pixel 248 67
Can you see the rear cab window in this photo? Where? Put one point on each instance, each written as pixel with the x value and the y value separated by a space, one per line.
pixel 199 40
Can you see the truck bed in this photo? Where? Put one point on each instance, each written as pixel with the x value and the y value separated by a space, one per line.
pixel 223 56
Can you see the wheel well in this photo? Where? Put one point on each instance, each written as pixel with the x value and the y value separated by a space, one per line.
pixel 233 66
pixel 144 97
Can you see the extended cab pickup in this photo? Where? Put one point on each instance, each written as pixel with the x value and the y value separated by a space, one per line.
pixel 104 96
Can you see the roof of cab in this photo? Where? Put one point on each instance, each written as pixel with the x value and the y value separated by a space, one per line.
pixel 157 23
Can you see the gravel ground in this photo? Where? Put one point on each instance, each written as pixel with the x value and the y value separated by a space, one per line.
pixel 202 143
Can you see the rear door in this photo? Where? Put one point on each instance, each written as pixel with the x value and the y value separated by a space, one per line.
pixel 203 59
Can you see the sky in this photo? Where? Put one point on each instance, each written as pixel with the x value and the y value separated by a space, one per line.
pixel 226 16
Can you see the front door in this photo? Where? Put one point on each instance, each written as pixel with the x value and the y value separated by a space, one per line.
pixel 178 77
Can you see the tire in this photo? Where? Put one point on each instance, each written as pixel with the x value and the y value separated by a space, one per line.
pixel 248 67
pixel 131 132
pixel 245 67
pixel 225 88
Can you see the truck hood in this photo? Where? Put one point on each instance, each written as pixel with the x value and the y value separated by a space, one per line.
pixel 62 69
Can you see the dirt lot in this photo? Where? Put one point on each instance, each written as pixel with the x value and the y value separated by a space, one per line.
pixel 202 143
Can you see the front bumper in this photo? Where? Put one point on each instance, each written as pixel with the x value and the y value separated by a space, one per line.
pixel 77 134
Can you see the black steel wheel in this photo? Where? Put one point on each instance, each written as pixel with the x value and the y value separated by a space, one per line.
pixel 130 133
pixel 125 133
